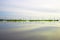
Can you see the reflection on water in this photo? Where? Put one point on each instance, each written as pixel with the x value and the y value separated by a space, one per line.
pixel 29 30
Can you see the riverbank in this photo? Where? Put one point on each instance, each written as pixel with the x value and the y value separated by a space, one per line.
pixel 25 20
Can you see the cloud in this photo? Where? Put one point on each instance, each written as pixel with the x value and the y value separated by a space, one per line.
pixel 30 4
pixel 31 7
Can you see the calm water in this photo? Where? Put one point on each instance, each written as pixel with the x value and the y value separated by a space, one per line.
pixel 29 30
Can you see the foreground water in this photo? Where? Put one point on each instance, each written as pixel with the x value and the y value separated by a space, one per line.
pixel 29 30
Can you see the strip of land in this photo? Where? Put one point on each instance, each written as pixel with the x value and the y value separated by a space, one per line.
pixel 24 20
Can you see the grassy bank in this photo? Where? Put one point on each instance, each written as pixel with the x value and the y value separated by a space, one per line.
pixel 25 20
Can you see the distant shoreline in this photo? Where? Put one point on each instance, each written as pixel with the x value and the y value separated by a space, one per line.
pixel 24 20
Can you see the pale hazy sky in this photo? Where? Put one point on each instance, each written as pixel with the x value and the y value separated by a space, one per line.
pixel 29 8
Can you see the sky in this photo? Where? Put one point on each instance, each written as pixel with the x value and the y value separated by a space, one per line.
pixel 29 8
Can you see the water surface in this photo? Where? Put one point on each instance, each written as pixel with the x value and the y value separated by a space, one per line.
pixel 29 30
